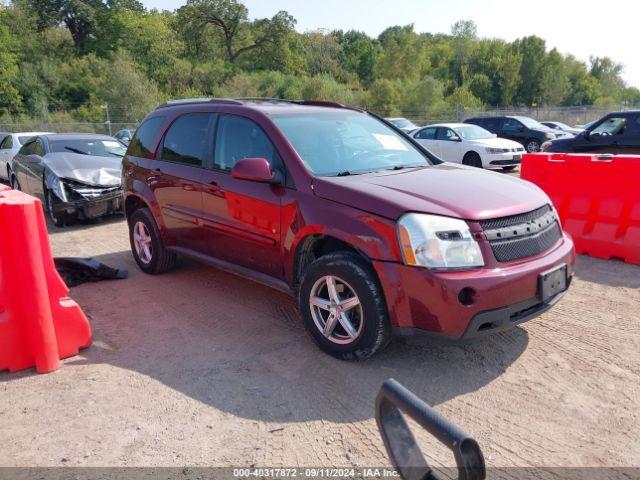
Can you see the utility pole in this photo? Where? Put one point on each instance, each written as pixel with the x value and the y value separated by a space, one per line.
pixel 108 122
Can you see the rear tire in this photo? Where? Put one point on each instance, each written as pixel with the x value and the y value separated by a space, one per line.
pixel 357 312
pixel 472 159
pixel 146 244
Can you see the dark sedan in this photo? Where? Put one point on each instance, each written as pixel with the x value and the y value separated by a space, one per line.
pixel 77 176
pixel 615 133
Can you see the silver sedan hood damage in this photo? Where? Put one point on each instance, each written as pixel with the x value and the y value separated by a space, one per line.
pixel 88 169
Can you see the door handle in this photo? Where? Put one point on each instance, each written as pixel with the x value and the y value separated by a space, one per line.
pixel 188 187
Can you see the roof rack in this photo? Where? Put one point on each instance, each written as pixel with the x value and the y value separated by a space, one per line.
pixel 316 103
pixel 190 101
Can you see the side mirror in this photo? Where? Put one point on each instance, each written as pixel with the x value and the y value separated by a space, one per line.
pixel 521 128
pixel 455 139
pixel 586 134
pixel 401 446
pixel 33 159
pixel 255 170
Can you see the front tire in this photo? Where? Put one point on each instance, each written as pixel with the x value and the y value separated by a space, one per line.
pixel 343 308
pixel 532 145
pixel 510 168
pixel 14 183
pixel 146 244
pixel 59 219
pixel 472 159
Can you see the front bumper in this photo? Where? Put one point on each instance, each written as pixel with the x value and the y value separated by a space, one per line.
pixel 499 160
pixel 87 209
pixel 504 295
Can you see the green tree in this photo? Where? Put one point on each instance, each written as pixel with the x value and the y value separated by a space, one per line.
pixel 533 52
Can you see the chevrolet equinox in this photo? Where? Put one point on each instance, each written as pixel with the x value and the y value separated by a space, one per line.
pixel 370 231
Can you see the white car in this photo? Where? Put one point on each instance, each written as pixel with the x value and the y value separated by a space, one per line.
pixel 9 146
pixel 470 145
pixel 403 124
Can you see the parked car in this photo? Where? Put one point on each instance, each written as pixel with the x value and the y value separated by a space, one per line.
pixel 366 228
pixel 524 130
pixel 470 145
pixel 403 124
pixel 9 146
pixel 562 127
pixel 77 176
pixel 124 136
pixel 615 133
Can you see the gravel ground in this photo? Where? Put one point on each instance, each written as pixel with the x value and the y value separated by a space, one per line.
pixel 202 368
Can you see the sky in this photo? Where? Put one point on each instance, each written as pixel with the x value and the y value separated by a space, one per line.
pixel 582 28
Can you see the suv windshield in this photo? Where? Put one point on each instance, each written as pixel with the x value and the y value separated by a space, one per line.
pixel 340 143
pixel 89 146
pixel 531 123
pixel 473 132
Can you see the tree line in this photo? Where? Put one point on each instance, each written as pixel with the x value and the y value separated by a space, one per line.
pixel 69 59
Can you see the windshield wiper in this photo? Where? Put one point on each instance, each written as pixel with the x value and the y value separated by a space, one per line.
pixel 345 173
pixel 75 150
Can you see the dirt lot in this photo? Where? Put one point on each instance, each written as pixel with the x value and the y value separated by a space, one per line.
pixel 199 367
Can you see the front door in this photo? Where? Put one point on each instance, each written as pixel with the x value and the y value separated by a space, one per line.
pixel 175 177
pixel 241 219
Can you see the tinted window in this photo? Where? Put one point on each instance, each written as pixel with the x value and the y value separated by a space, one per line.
pixel 511 125
pixel 28 148
pixel 426 133
pixel 6 143
pixel 239 138
pixel 491 124
pixel 187 139
pixel 38 148
pixel 142 143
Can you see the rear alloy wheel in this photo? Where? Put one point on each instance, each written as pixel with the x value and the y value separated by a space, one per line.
pixel 146 244
pixel 532 146
pixel 342 306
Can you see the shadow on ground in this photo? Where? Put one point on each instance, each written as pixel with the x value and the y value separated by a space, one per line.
pixel 600 271
pixel 240 347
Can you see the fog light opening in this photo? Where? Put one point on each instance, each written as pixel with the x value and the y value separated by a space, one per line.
pixel 467 296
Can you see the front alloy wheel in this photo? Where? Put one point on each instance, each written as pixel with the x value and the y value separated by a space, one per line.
pixel 142 242
pixel 336 310
pixel 533 146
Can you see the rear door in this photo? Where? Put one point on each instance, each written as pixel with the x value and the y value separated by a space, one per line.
pixel 242 218
pixel 427 138
pixel 175 177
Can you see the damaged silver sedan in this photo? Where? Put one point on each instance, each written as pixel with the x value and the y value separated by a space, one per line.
pixel 77 176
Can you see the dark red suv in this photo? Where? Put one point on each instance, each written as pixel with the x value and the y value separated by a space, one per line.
pixel 370 231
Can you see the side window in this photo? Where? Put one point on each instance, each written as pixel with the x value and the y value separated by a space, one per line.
pixel 239 138
pixel 38 148
pixel 426 134
pixel 446 134
pixel 28 148
pixel 510 125
pixel 611 126
pixel 491 124
pixel 142 143
pixel 187 139
pixel 7 143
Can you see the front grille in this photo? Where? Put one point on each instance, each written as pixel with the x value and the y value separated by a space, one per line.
pixel 524 235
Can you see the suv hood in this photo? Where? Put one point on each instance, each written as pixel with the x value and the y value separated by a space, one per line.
pixel 90 169
pixel 445 189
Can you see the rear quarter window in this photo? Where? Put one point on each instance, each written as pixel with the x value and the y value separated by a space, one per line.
pixel 143 140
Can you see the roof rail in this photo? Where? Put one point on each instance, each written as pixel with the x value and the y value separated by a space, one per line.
pixel 189 101
pixel 313 103
pixel 265 99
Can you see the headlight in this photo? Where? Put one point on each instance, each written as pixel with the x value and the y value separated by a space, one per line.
pixel 549 136
pixel 495 150
pixel 437 242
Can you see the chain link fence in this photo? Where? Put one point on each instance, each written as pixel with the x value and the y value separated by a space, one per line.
pixel 107 128
pixel 570 115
